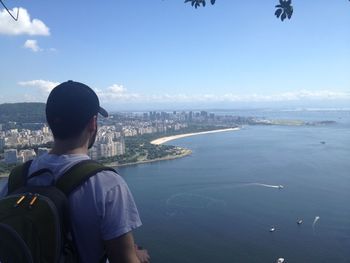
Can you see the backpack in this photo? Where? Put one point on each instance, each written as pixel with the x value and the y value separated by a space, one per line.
pixel 34 220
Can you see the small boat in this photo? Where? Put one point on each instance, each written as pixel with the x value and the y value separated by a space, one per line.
pixel 280 187
pixel 299 222
pixel 280 260
pixel 323 142
pixel 272 229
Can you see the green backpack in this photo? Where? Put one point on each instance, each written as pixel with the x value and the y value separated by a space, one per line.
pixel 34 220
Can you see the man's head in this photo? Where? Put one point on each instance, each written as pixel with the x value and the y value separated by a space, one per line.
pixel 70 108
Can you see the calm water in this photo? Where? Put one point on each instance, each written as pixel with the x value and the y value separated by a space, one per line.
pixel 209 207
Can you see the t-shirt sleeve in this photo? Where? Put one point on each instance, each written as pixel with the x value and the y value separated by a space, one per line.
pixel 119 211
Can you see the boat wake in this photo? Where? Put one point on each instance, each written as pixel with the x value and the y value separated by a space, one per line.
pixel 267 185
pixel 315 221
pixel 183 200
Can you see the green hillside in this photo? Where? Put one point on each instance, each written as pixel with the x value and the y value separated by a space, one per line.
pixel 31 112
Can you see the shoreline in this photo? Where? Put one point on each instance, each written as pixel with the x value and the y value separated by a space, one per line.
pixel 185 152
pixel 4 175
pixel 175 137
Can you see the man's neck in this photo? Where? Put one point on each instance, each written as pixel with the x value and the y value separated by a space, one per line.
pixel 69 151
pixel 69 147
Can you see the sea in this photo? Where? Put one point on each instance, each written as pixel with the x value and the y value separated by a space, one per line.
pixel 220 203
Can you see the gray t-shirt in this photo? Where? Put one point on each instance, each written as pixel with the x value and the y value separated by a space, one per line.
pixel 102 208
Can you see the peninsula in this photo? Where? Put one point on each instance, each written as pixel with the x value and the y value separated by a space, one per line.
pixel 125 138
pixel 177 152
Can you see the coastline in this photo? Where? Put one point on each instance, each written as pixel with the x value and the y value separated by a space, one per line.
pixel 184 152
pixel 4 175
pixel 174 137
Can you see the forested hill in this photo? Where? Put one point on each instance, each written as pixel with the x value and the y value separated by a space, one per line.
pixel 31 112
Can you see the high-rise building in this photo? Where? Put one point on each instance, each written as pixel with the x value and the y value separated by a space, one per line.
pixel 2 144
pixel 204 114
pixel 45 129
pixel 190 116
pixel 120 147
pixel 94 152
pixel 27 154
pixel 10 156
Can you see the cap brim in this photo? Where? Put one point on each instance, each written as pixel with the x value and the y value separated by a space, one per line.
pixel 103 112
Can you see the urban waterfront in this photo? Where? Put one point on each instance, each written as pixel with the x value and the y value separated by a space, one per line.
pixel 219 204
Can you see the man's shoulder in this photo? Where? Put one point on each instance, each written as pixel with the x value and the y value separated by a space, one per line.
pixel 58 164
pixel 106 180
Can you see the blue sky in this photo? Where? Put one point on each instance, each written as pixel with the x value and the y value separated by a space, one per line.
pixel 165 54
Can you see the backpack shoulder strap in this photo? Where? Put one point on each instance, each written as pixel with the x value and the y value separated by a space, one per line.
pixel 78 174
pixel 18 176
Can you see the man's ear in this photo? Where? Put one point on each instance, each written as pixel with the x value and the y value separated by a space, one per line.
pixel 92 125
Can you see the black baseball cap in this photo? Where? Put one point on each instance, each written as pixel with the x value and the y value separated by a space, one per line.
pixel 72 103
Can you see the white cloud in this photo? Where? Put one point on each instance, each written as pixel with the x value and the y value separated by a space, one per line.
pixel 289 96
pixel 279 97
pixel 119 93
pixel 44 86
pixel 116 89
pixel 24 26
pixel 32 44
pixel 30 98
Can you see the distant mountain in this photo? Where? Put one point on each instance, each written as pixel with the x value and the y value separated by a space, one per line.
pixel 31 112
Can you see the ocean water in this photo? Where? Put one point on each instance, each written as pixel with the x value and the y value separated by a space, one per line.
pixel 218 204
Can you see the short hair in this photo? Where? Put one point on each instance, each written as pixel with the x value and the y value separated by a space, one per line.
pixel 66 130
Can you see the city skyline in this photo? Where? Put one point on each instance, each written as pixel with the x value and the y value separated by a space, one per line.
pixel 167 55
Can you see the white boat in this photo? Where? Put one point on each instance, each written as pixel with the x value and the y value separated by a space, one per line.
pixel 280 187
pixel 299 222
pixel 272 229
pixel 280 260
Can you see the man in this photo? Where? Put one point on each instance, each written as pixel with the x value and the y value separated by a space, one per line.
pixel 102 209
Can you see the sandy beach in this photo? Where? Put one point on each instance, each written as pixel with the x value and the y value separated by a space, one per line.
pixel 174 137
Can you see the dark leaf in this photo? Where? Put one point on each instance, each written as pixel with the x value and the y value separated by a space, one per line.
pixel 213 1
pixel 278 12
pixel 283 16
pixel 284 9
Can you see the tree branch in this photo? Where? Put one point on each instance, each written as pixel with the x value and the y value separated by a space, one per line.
pixel 8 11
